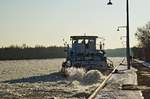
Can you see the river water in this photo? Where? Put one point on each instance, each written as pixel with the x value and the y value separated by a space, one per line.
pixel 40 79
pixel 15 69
pixel 25 68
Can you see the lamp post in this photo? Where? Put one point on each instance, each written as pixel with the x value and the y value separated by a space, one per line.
pixel 127 34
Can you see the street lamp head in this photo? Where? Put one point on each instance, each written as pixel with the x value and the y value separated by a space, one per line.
pixel 109 3
pixel 118 29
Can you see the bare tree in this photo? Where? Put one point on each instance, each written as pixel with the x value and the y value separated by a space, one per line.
pixel 143 36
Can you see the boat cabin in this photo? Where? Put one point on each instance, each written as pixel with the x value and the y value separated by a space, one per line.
pixel 83 53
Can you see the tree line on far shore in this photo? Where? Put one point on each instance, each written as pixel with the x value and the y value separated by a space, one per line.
pixel 40 52
pixel 25 52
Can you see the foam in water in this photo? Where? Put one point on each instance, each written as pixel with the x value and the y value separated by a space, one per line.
pixel 92 76
pixel 75 73
pixel 79 74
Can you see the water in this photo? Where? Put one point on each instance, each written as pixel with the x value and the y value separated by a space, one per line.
pixel 42 79
pixel 25 68
pixel 15 69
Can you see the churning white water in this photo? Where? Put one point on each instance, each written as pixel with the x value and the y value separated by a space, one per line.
pixel 79 74
pixel 75 73
pixel 92 76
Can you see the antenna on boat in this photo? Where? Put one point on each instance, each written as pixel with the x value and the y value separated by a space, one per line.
pixel 102 44
pixel 65 42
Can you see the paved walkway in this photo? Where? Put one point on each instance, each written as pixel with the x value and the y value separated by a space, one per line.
pixel 113 88
pixel 143 62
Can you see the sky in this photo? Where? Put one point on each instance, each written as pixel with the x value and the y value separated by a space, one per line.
pixel 48 22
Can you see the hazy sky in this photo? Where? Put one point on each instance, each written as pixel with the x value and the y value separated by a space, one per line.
pixel 47 22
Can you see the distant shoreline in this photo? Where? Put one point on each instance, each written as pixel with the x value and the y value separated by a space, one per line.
pixel 19 53
pixel 53 52
pixel 42 58
pixel 32 59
